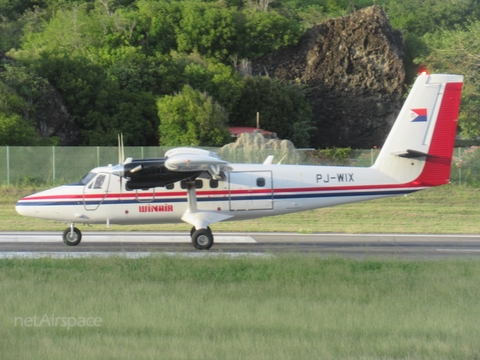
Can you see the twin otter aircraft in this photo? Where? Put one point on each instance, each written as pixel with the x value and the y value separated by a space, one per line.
pixel 198 187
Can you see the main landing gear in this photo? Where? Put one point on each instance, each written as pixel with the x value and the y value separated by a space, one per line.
pixel 202 239
pixel 72 236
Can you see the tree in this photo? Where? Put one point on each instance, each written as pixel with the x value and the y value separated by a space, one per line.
pixel 210 76
pixel 207 28
pixel 97 103
pixel 159 20
pixel 23 97
pixel 25 84
pixel 414 47
pixel 428 16
pixel 192 118
pixel 15 131
pixel 282 107
pixel 458 52
pixel 265 31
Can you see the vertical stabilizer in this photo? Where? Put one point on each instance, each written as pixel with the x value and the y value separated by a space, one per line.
pixel 419 148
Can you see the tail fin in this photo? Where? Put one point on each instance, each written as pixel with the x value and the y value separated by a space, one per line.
pixel 419 148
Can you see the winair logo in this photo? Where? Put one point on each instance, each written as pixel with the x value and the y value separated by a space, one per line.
pixel 155 208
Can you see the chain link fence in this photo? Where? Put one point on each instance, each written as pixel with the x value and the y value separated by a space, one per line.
pixel 56 165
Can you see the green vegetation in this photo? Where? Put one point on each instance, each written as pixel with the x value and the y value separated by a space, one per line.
pixel 282 107
pixel 112 60
pixel 192 118
pixel 285 307
pixel 22 97
pixel 444 210
pixel 454 51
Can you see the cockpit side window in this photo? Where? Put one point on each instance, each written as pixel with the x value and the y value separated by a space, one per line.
pixel 87 178
pixel 99 182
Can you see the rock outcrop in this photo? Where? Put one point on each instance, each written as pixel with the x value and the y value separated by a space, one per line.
pixel 353 69
pixel 254 148
pixel 53 119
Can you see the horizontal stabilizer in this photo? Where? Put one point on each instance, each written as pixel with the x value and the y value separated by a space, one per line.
pixel 413 154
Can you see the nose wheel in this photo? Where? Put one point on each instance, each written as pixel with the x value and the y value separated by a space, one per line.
pixel 72 236
pixel 202 239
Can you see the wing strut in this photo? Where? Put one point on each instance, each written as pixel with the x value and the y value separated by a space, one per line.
pixel 191 196
pixel 200 219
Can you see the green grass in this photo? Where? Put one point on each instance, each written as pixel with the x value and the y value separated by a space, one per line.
pixel 446 209
pixel 289 307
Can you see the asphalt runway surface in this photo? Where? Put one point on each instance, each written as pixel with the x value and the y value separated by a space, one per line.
pixel 138 244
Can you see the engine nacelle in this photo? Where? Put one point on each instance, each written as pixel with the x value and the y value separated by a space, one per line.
pixel 150 173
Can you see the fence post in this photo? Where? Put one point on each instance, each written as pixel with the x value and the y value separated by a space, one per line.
pixel 8 165
pixel 53 164
pixel 460 167
pixel 98 156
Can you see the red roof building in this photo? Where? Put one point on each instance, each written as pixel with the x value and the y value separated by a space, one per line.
pixel 237 130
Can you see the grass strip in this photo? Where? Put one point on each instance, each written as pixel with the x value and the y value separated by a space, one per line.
pixel 219 308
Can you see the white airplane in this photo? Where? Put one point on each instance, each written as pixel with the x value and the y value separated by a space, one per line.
pixel 198 187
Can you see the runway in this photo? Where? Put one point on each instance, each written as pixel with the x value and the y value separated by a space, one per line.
pixel 139 244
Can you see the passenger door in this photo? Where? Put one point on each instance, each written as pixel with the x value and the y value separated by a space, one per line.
pixel 251 190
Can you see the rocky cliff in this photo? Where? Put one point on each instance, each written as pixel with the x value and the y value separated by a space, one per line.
pixel 353 70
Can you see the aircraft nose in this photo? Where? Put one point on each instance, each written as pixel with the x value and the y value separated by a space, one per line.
pixel 24 207
pixel 21 208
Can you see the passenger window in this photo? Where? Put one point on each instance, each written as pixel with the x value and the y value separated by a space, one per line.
pixel 213 184
pixel 169 186
pixel 198 184
pixel 260 181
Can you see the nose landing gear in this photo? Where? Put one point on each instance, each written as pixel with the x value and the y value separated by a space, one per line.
pixel 72 236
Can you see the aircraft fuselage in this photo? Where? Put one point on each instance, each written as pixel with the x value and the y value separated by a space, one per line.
pixel 249 191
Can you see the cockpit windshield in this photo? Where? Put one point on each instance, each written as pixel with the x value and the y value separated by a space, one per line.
pixel 87 178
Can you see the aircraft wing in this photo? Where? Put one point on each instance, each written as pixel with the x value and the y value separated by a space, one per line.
pixel 178 164
pixel 190 159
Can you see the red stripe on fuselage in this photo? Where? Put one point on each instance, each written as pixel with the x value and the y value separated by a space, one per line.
pixel 412 184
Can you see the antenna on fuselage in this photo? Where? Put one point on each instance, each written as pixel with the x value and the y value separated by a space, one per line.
pixel 121 152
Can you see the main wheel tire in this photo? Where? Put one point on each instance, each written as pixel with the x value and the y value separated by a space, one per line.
pixel 72 238
pixel 192 230
pixel 202 239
